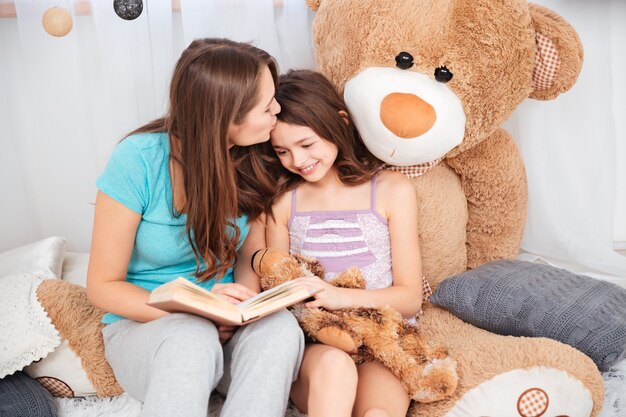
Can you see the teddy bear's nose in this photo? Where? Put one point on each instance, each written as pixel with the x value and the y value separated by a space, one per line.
pixel 407 115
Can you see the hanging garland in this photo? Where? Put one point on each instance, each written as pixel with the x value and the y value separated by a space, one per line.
pixel 57 21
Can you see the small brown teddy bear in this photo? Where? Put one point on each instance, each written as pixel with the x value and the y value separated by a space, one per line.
pixel 367 333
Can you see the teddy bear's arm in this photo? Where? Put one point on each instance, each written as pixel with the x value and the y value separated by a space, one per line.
pixel 494 181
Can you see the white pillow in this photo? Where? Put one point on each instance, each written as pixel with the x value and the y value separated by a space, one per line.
pixel 43 259
pixel 27 333
pixel 75 268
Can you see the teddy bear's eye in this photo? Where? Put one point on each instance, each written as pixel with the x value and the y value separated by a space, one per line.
pixel 404 60
pixel 443 74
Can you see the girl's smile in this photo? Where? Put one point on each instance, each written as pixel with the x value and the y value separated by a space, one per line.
pixel 309 169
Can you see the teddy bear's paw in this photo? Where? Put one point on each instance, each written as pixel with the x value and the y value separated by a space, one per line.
pixel 438 381
pixel 336 337
pixel 537 391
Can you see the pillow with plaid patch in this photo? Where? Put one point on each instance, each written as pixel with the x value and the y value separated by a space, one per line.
pixel 520 298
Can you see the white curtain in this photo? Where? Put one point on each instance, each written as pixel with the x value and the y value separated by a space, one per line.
pixel 65 102
pixel 574 149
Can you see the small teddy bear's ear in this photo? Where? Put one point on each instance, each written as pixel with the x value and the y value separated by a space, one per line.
pixel 559 54
pixel 313 4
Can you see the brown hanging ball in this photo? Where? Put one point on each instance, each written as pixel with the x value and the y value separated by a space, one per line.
pixel 57 21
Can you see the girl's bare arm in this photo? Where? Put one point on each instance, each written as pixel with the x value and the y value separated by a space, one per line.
pixel 115 226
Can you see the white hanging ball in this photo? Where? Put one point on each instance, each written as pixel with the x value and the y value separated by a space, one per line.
pixel 57 21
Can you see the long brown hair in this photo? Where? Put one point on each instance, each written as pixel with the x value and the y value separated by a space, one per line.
pixel 215 84
pixel 308 98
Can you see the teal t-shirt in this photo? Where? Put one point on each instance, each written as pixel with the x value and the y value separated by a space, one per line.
pixel 138 176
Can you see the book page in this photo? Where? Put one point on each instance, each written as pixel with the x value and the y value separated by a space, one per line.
pixel 193 288
pixel 181 295
pixel 187 303
pixel 271 293
pixel 275 299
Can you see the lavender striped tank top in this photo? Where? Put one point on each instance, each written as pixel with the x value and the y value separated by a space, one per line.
pixel 345 238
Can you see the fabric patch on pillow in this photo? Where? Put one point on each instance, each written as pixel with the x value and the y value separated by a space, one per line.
pixel 520 298
pixel 43 258
pixel 27 333
pixel 56 387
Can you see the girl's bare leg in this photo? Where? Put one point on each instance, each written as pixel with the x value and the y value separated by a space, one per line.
pixel 326 385
pixel 379 393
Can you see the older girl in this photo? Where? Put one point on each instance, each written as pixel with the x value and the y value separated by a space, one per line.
pixel 170 204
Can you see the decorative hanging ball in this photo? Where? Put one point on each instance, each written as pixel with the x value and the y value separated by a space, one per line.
pixel 128 9
pixel 57 21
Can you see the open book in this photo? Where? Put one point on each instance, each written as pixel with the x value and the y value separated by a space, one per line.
pixel 182 295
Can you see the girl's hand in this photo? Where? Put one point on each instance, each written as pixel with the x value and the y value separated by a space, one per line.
pixel 233 293
pixel 226 332
pixel 328 297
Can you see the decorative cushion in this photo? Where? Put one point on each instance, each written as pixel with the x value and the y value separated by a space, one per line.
pixel 43 258
pixel 21 396
pixel 525 299
pixel 27 333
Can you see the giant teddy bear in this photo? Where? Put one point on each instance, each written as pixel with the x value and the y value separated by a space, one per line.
pixel 428 84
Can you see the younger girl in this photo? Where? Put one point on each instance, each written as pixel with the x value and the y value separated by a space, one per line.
pixel 334 204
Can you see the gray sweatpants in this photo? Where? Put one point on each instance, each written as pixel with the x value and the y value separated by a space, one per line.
pixel 172 364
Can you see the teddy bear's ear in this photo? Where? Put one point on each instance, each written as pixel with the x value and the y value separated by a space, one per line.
pixel 313 4
pixel 559 54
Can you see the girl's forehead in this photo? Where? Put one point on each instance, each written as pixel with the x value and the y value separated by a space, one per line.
pixel 285 134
